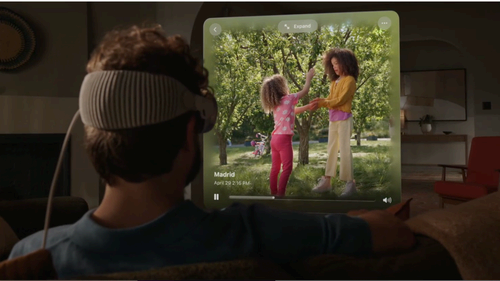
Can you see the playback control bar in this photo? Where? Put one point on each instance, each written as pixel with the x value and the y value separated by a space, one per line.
pixel 387 200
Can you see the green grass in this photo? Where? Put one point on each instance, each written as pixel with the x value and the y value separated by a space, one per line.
pixel 371 171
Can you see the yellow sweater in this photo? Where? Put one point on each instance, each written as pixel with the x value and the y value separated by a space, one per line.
pixel 341 95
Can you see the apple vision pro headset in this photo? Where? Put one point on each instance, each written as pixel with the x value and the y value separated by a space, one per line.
pixel 120 99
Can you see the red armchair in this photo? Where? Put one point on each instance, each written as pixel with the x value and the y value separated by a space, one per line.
pixel 482 176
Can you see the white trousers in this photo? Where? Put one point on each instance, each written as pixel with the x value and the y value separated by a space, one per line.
pixel 339 139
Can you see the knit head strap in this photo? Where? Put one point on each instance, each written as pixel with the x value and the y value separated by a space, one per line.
pixel 111 100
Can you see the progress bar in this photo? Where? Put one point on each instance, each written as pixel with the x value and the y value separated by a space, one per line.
pixel 237 197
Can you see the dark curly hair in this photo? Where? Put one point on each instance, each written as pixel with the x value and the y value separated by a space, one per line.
pixel 272 90
pixel 348 63
pixel 139 154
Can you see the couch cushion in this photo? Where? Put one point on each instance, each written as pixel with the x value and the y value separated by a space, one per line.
pixel 33 266
pixel 469 232
pixel 28 216
pixel 7 239
pixel 427 260
pixel 462 190
pixel 235 270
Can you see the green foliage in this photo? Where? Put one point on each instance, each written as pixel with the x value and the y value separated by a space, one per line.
pixel 245 57
pixel 378 128
pixel 236 83
pixel 371 170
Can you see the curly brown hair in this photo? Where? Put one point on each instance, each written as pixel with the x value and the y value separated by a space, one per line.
pixel 348 63
pixel 139 154
pixel 273 89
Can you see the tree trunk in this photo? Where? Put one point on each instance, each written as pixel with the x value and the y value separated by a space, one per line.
pixel 358 138
pixel 268 144
pixel 222 150
pixel 304 147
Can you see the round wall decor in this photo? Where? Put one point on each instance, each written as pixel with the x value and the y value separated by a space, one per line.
pixel 17 40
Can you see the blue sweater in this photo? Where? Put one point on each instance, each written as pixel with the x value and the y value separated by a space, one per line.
pixel 187 234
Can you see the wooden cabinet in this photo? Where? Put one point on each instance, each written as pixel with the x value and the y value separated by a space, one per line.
pixel 437 139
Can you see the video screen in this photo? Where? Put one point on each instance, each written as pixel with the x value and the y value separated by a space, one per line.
pixel 309 111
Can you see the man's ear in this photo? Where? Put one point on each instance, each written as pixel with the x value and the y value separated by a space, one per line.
pixel 190 134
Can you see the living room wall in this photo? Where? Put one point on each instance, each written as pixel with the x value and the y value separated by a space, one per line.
pixel 42 96
pixel 177 17
pixel 106 16
pixel 57 65
pixel 67 32
pixel 468 28
pixel 437 55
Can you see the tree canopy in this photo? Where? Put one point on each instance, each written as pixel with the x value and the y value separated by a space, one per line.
pixel 243 58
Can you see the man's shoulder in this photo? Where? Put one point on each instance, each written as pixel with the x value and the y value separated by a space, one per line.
pixel 56 236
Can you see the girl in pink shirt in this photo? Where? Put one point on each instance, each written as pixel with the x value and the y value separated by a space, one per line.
pixel 276 98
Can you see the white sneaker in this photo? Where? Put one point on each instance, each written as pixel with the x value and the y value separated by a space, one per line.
pixel 349 190
pixel 323 185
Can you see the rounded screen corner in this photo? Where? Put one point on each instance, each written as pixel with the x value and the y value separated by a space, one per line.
pixel 393 14
pixel 206 23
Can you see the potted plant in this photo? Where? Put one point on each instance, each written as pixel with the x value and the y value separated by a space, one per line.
pixel 426 123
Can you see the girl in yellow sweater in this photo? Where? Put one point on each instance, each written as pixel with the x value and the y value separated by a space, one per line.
pixel 342 69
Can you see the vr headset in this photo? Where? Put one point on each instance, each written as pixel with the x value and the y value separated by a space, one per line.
pixel 115 100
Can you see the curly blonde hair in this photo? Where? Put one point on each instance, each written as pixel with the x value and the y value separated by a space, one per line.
pixel 273 89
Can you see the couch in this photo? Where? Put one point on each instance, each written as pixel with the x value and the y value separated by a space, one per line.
pixel 22 218
pixel 428 260
pixel 460 242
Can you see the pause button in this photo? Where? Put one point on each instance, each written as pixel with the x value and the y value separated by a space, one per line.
pixel 216 196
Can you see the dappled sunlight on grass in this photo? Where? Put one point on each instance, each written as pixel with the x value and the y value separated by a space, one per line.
pixel 371 170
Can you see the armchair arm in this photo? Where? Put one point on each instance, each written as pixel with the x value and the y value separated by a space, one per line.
pixel 453 166
pixel 462 167
pixel 498 170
